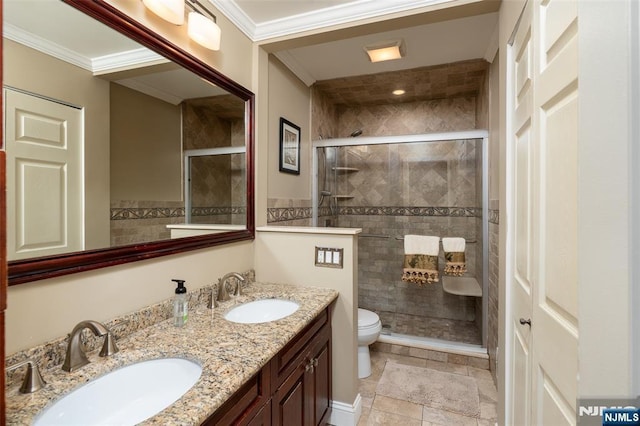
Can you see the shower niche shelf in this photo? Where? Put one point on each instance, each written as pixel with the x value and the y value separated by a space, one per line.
pixel 343 197
pixel 345 169
pixel 461 286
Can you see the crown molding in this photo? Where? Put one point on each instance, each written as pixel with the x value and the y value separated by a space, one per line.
pixel 294 66
pixel 330 16
pixel 45 46
pixel 126 60
pixel 98 65
pixel 236 15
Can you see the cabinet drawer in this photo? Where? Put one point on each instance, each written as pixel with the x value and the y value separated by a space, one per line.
pixel 243 405
pixel 290 357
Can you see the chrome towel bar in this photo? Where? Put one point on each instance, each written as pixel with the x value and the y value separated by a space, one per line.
pixel 399 238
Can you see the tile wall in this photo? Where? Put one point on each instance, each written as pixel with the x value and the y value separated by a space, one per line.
pixel 393 190
pixel 396 204
pixel 438 115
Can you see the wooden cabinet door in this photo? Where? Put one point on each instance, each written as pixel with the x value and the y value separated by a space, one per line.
pixel 244 405
pixel 288 402
pixel 322 384
pixel 263 417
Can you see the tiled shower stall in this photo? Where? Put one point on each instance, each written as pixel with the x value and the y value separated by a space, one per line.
pixel 394 189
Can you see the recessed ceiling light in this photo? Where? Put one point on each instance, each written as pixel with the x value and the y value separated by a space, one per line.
pixel 386 51
pixel 398 92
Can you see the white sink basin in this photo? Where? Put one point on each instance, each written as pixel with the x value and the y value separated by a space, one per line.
pixel 259 311
pixel 126 396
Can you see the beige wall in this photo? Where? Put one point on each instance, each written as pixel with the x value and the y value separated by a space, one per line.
pixel 35 72
pixel 44 310
pixel 146 147
pixel 261 85
pixel 291 99
pixel 289 257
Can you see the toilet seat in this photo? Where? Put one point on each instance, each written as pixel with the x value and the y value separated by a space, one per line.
pixel 367 319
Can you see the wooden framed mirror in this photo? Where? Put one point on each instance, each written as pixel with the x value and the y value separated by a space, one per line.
pixel 202 221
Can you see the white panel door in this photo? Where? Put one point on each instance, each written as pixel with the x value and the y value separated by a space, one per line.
pixel 555 295
pixel 522 266
pixel 543 145
pixel 45 213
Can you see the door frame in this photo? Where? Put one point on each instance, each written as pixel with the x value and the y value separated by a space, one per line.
pixel 509 18
pixel 635 190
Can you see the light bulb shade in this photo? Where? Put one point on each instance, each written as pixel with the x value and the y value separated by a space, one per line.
pixel 169 10
pixel 204 31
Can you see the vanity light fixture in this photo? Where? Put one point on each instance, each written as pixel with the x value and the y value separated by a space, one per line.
pixel 169 10
pixel 200 28
pixel 204 31
pixel 386 51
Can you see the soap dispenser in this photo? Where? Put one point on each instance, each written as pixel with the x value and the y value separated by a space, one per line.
pixel 180 304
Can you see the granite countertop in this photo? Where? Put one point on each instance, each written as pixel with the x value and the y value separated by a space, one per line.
pixel 229 353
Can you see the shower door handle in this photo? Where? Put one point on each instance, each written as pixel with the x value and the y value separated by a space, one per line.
pixel 525 321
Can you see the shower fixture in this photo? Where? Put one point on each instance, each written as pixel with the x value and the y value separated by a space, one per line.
pixel 356 133
pixel 327 157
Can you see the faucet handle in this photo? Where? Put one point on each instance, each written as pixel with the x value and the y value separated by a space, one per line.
pixel 238 291
pixel 32 381
pixel 109 346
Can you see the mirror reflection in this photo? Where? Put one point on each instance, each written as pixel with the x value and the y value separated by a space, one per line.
pixel 110 144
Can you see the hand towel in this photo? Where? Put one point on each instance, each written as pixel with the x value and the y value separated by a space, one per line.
pixel 421 259
pixel 454 255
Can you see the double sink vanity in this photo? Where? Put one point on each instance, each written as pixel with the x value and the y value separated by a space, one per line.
pixel 261 358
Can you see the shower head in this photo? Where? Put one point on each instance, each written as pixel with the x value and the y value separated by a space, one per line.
pixel 356 133
pixel 325 193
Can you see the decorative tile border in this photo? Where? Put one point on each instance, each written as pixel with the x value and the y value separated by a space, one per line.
pixel 146 213
pixel 135 213
pixel 494 217
pixel 412 211
pixel 283 214
pixel 212 211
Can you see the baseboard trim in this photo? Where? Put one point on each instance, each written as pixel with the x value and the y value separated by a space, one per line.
pixel 343 414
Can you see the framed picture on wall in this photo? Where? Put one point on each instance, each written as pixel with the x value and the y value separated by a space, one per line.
pixel 289 147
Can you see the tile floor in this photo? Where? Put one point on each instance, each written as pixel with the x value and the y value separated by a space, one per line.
pixel 379 409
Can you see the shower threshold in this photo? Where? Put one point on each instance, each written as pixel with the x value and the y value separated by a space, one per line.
pixel 430 343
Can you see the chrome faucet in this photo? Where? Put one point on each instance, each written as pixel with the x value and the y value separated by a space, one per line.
pixel 223 288
pixel 76 357
pixel 32 381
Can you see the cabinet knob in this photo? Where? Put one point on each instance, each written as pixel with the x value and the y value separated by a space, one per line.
pixel 525 321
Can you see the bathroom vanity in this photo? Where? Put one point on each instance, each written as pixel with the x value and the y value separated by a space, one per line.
pixel 271 373
pixel 293 388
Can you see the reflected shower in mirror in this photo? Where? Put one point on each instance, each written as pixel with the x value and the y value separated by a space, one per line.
pixel 110 144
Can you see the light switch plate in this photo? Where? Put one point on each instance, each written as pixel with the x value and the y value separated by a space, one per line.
pixel 329 257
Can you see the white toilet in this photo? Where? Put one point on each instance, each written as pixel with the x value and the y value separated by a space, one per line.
pixel 369 327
